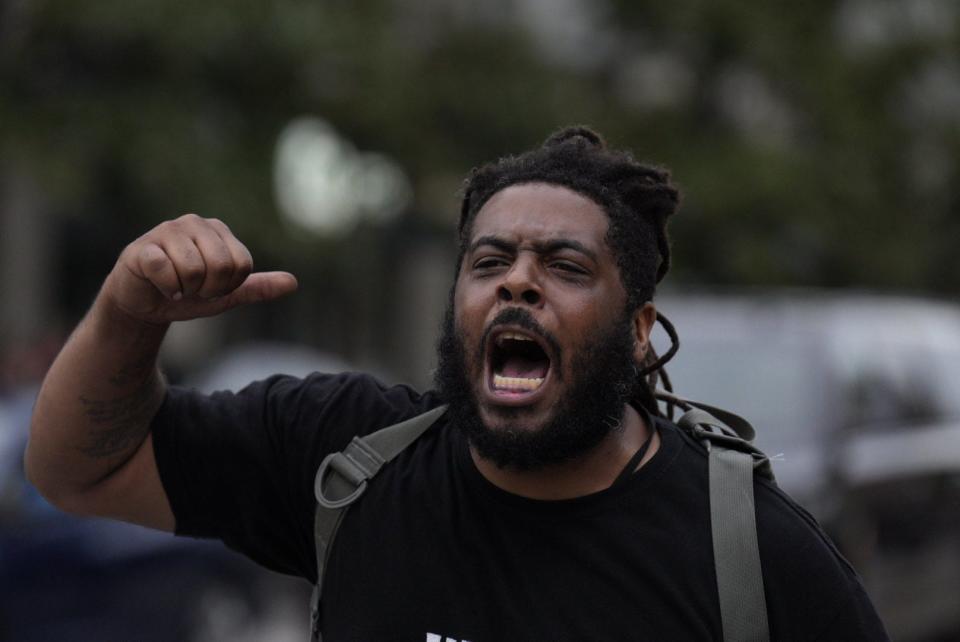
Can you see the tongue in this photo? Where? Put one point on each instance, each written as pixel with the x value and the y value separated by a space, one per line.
pixel 517 366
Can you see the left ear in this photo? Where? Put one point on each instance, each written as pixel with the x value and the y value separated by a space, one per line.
pixel 643 320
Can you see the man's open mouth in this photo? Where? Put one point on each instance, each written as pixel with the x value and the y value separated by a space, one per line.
pixel 518 363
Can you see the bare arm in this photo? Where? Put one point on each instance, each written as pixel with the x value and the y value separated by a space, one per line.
pixel 90 450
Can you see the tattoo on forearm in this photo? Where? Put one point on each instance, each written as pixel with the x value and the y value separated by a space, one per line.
pixel 124 421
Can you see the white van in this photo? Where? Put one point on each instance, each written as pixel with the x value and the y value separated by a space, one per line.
pixel 856 397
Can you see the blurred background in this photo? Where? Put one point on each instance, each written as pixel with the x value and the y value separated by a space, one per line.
pixel 815 254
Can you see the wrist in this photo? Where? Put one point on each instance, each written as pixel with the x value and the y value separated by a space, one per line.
pixel 112 323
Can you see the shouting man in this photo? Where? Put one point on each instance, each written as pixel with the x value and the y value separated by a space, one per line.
pixel 552 500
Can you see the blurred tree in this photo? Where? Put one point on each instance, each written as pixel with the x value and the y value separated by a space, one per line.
pixel 817 142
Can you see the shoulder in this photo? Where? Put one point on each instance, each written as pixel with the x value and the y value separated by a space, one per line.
pixel 786 531
pixel 810 586
pixel 240 465
pixel 283 416
pixel 360 399
pixel 812 591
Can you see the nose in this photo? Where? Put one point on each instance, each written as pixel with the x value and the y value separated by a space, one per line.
pixel 520 283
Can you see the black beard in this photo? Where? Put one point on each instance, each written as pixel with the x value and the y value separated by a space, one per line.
pixel 604 379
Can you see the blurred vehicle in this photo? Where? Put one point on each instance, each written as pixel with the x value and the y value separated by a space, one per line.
pixel 68 578
pixel 93 580
pixel 65 578
pixel 857 399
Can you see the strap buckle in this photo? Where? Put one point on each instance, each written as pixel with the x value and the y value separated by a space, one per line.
pixel 347 472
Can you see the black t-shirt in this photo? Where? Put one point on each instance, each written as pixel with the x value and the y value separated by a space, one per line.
pixel 434 551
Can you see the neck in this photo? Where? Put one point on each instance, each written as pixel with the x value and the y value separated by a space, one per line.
pixel 591 473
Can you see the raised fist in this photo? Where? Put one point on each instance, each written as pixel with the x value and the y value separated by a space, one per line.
pixel 188 268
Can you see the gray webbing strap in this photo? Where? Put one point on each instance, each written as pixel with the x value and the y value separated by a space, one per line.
pixel 341 480
pixel 733 524
pixel 743 607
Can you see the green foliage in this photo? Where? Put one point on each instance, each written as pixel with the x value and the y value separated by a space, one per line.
pixel 804 156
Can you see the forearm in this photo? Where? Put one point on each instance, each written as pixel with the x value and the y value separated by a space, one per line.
pixel 90 449
pixel 96 403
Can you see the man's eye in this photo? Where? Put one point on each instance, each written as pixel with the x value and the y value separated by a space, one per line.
pixel 568 267
pixel 489 262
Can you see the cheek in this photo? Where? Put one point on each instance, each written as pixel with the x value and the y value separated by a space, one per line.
pixel 469 326
pixel 469 307
pixel 465 326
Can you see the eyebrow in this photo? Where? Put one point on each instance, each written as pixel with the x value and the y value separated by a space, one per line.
pixel 541 247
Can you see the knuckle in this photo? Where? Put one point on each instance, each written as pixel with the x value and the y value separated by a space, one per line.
pixel 245 265
pixel 170 229
pixel 151 257
pixel 192 273
pixel 221 266
pixel 154 262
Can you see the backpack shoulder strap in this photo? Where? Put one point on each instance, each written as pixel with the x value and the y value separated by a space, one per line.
pixel 708 423
pixel 342 478
pixel 731 462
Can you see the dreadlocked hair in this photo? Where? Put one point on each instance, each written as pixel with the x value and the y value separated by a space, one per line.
pixel 637 198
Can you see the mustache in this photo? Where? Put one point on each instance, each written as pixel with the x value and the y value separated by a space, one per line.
pixel 523 319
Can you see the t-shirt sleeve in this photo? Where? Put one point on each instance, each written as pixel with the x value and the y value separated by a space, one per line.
pixel 240 466
pixel 812 591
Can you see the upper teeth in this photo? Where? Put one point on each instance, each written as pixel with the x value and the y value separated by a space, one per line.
pixel 512 335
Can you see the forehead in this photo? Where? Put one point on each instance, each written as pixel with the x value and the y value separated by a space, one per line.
pixel 541 211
